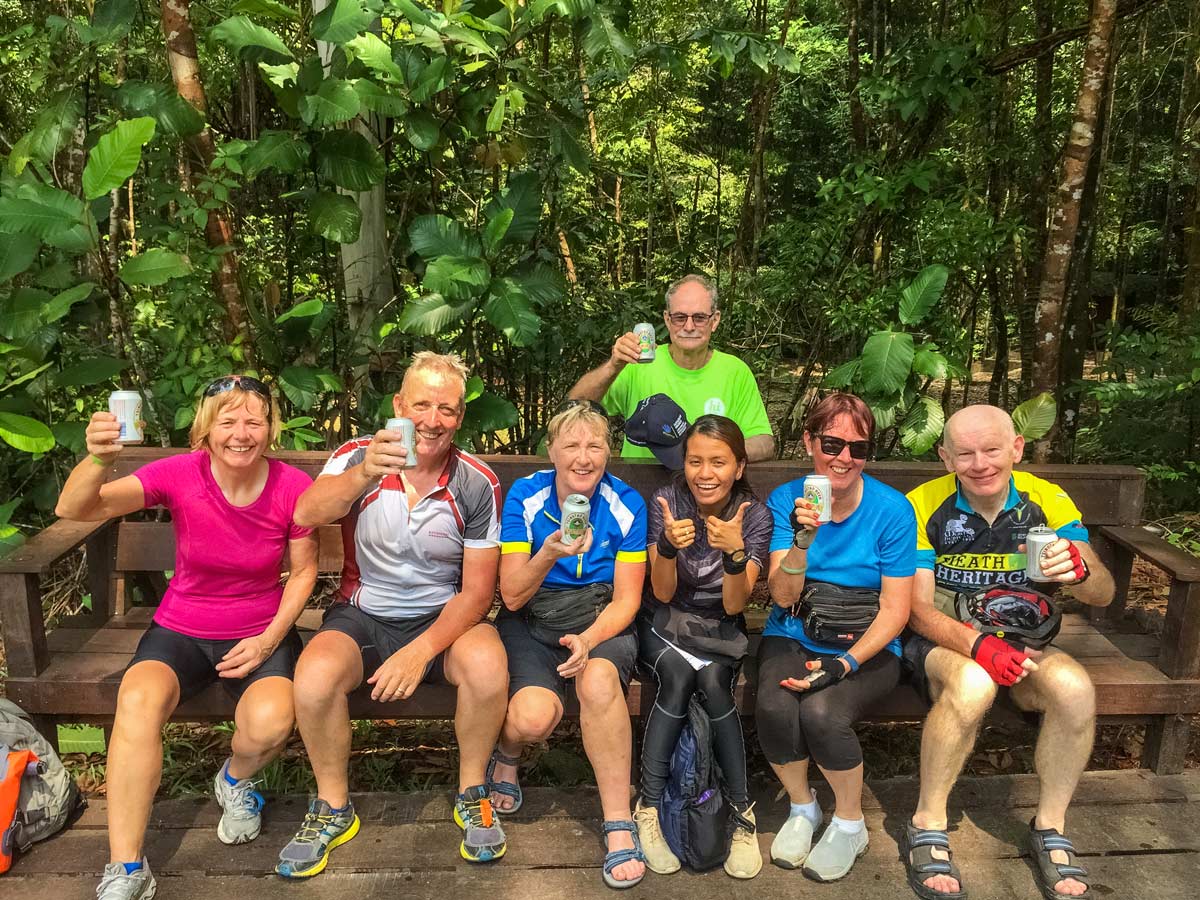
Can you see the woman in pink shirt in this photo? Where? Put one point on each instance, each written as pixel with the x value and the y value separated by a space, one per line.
pixel 225 616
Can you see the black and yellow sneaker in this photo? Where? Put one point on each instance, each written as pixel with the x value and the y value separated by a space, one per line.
pixel 323 829
pixel 483 838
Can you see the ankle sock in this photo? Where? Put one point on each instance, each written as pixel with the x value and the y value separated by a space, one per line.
pixel 810 811
pixel 339 810
pixel 849 826
pixel 132 867
pixel 229 779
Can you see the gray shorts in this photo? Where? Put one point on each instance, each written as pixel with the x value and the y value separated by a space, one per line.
pixel 379 638
pixel 533 664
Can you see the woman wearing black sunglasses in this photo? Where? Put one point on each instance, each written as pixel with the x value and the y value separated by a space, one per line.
pixel 225 616
pixel 841 592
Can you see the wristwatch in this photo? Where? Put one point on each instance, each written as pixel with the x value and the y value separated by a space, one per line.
pixel 735 563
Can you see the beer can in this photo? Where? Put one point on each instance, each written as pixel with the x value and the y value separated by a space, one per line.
pixel 818 490
pixel 576 512
pixel 645 336
pixel 127 407
pixel 409 431
pixel 1036 542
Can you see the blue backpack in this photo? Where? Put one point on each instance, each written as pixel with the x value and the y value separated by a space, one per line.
pixel 693 814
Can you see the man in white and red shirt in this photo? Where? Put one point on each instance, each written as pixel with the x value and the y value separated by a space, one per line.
pixel 422 551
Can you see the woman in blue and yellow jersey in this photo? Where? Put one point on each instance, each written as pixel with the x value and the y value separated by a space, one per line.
pixel 568 614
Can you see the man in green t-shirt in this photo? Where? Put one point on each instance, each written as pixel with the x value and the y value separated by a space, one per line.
pixel 697 377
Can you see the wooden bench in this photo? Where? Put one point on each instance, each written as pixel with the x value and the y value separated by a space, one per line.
pixel 72 673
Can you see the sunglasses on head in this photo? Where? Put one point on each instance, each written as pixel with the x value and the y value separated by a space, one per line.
pixel 245 382
pixel 832 446
pixel 589 404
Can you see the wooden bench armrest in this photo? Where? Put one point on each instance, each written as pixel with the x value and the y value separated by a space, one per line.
pixel 1179 652
pixel 49 546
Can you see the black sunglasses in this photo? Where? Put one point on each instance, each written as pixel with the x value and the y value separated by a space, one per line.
pixel 590 404
pixel 245 382
pixel 832 446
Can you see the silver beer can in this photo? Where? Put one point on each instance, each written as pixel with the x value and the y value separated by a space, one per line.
pixel 646 341
pixel 127 407
pixel 818 490
pixel 1036 542
pixel 576 512
pixel 409 431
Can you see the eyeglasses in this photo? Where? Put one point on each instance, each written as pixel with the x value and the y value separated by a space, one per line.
pixel 578 401
pixel 833 446
pixel 245 382
pixel 700 319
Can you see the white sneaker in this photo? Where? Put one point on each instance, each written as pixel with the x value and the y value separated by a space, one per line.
pixel 835 854
pixel 792 843
pixel 117 884
pixel 659 857
pixel 745 859
pixel 241 809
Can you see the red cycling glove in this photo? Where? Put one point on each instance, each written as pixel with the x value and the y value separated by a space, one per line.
pixel 1081 570
pixel 999 659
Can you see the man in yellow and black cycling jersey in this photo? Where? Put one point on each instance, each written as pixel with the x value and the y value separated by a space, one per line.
pixel 971 530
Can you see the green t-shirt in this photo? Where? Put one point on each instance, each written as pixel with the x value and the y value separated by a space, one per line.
pixel 724 387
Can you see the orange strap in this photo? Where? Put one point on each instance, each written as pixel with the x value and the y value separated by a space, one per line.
pixel 10 792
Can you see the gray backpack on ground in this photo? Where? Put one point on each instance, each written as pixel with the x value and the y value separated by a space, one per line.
pixel 49 800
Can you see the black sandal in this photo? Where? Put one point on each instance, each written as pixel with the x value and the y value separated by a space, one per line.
pixel 504 788
pixel 1042 841
pixel 920 863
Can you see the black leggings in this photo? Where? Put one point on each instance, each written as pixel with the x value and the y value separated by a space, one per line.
pixel 792 725
pixel 677 681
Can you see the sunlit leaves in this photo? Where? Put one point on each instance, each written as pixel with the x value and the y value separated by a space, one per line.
pixel 1034 418
pixel 25 433
pixel 886 361
pixel 251 41
pixel 116 156
pixel 919 296
pixel 922 426
pixel 340 21
pixel 436 235
pixel 509 310
pixel 155 266
pixel 334 102
pixel 279 150
pixel 457 277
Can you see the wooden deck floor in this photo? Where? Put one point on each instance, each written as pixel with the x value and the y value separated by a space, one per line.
pixel 1139 834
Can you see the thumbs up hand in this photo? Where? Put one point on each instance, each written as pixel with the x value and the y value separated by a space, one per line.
pixel 726 536
pixel 679 533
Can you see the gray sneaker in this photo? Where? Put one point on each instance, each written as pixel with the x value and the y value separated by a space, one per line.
pixel 322 830
pixel 116 884
pixel 834 855
pixel 793 842
pixel 241 809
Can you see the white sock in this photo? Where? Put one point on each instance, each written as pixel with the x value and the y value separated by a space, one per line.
pixel 849 826
pixel 810 811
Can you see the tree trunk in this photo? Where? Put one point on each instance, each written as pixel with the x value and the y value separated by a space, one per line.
pixel 858 122
pixel 1064 223
pixel 183 61
pixel 1189 301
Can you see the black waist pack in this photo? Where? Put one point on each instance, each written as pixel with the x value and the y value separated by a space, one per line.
pixel 836 615
pixel 554 612
pixel 702 635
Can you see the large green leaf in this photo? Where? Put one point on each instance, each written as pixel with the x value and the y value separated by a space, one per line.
pixel 111 22
pixel 919 296
pixel 929 362
pixel 155 266
pixel 43 211
pixel 523 196
pixel 436 235
pixel 305 310
pixel 174 114
pixel 376 55
pixel 21 313
pixel 422 129
pixel 457 277
pixel 96 370
pixel 271 9
pixel 542 284
pixel 379 99
pixel 51 130
pixel 604 39
pixel 495 119
pixel 844 375
pixel 431 315
pixel 335 216
pixel 17 251
pixel 508 309
pixel 348 160
pixel 116 156
pixel 886 361
pixel 1034 418
pixel 61 304
pixel 340 21
pixel 334 102
pixel 279 150
pixel 488 412
pixel 494 233
pixel 922 426
pixel 25 433
pixel 251 41
pixel 301 385
pixel 470 41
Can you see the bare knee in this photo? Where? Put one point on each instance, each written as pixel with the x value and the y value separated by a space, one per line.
pixel 1066 690
pixel 148 695
pixel 599 687
pixel 477 662
pixel 321 676
pixel 532 719
pixel 968 692
pixel 266 723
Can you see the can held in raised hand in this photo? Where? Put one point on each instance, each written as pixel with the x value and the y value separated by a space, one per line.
pixel 1039 538
pixel 646 341
pixel 818 490
pixel 127 407
pixel 576 512
pixel 409 431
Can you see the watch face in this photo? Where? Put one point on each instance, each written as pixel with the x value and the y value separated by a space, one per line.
pixel 738 556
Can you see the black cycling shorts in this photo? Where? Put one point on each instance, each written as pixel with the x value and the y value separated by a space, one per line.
pixel 379 638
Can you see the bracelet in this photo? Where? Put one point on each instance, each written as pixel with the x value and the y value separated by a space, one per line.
pixel 732 568
pixel 97 460
pixel 850 661
pixel 666 549
pixel 791 571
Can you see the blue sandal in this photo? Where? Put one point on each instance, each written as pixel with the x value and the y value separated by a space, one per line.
pixel 614 858
pixel 504 788
pixel 1043 841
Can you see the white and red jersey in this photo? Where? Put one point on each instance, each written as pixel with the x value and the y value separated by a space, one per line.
pixel 402 563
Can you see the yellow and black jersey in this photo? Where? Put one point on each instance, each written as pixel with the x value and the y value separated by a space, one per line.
pixel 967 554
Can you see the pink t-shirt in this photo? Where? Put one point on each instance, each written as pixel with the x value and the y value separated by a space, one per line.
pixel 227 558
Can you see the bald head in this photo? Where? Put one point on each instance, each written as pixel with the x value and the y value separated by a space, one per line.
pixel 980 417
pixel 981 446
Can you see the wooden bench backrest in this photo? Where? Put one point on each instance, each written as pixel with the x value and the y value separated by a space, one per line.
pixel 1106 495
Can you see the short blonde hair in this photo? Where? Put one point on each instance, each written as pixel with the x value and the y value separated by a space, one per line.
pixel 446 365
pixel 580 414
pixel 236 396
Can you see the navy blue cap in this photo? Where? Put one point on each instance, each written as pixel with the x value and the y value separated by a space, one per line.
pixel 658 424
